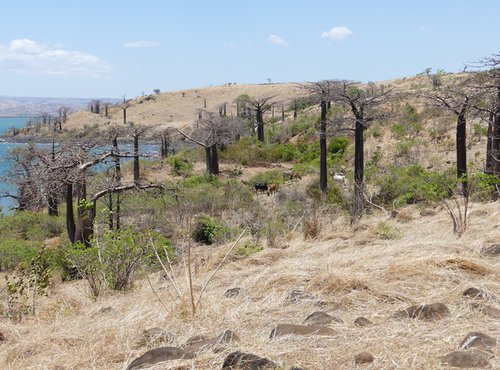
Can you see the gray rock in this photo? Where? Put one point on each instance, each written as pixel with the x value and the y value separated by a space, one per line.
pixel 363 358
pixel 477 339
pixel 155 337
pixel 157 355
pixel 491 251
pixel 201 343
pixel 463 359
pixel 295 296
pixel 434 311
pixel 232 293
pixel 281 330
pixel 487 310
pixel 362 321
pixel 247 361
pixel 321 318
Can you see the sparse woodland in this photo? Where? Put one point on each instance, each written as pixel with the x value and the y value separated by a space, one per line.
pixel 299 224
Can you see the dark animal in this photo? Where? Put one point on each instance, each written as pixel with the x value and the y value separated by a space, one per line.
pixel 261 187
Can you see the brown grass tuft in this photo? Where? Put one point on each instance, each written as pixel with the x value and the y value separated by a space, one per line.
pixel 328 283
pixel 468 266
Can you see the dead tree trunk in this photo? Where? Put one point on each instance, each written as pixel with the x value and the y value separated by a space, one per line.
pixel 358 165
pixel 70 215
pixel 462 151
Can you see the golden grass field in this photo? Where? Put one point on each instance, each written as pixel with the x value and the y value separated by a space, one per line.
pixel 350 273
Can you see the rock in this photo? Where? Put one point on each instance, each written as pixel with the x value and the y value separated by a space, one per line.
pixel 465 359
pixel 363 358
pixel 427 213
pixel 478 340
pixel 476 293
pixel 434 311
pixel 231 293
pixel 155 337
pixel 362 321
pixel 246 361
pixel 295 296
pixel 491 251
pixel 196 346
pixel 290 329
pixel 196 338
pixel 159 355
pixel 105 310
pixel 2 337
pixel 321 318
pixel 487 310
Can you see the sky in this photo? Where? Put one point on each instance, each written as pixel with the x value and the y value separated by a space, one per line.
pixel 112 49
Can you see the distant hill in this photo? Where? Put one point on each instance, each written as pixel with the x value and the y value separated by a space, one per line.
pixel 32 107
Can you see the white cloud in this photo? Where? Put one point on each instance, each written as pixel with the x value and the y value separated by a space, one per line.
pixel 29 57
pixel 337 33
pixel 140 44
pixel 276 40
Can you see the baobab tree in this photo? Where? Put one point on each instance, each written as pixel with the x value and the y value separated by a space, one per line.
pixel 457 97
pixel 363 103
pixel 211 132
pixel 321 92
pixel 259 107
pixel 488 82
pixel 136 132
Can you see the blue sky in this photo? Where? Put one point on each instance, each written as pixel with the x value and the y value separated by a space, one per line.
pixel 114 48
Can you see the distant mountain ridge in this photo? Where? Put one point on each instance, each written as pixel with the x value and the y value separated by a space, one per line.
pixel 34 106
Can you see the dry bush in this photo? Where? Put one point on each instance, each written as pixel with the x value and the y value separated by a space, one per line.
pixel 467 266
pixel 328 283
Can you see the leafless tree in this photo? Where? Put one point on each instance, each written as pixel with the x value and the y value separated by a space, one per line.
pixel 457 97
pixel 136 132
pixel 259 107
pixel 211 132
pixel 363 103
pixel 488 82
pixel 321 92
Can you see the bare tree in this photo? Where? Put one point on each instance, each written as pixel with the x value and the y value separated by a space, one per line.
pixel 457 97
pixel 362 102
pixel 489 84
pixel 259 107
pixel 124 108
pixel 211 132
pixel 136 132
pixel 321 92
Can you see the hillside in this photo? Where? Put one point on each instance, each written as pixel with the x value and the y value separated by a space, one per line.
pixel 399 283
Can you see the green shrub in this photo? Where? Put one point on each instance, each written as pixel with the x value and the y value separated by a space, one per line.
pixel 208 230
pixel 484 187
pixel 386 231
pixel 180 167
pixel 413 184
pixel 14 252
pixel 270 177
pixel 247 249
pixel 338 145
pixel 332 195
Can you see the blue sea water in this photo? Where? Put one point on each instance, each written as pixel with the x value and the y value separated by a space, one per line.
pixel 6 204
pixel 5 148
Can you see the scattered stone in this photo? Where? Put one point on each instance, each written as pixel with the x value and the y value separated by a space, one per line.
pixel 321 318
pixel 290 329
pixel 246 361
pixel 157 355
pixel 2 337
pixel 487 310
pixel 362 321
pixel 196 346
pixel 491 251
pixel 232 293
pixel 475 293
pixel 105 310
pixel 363 358
pixel 428 212
pixel 434 311
pixel 465 359
pixel 155 337
pixel 196 338
pixel 477 339
pixel 295 296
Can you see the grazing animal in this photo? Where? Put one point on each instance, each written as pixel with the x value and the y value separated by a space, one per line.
pixel 291 175
pixel 339 177
pixel 272 188
pixel 261 187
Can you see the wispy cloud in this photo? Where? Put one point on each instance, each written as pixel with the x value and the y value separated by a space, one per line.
pixel 141 44
pixel 337 33
pixel 29 57
pixel 276 40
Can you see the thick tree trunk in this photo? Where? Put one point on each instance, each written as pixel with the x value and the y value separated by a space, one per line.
pixel 136 159
pixel 488 168
pixel 260 126
pixel 70 216
pixel 85 219
pixel 358 167
pixel 214 160
pixel 462 152
pixel 118 179
pixel 323 178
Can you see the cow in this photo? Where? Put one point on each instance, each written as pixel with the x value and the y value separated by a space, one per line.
pixel 291 175
pixel 261 187
pixel 272 188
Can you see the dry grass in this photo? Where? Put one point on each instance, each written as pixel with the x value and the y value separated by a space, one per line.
pixel 426 264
